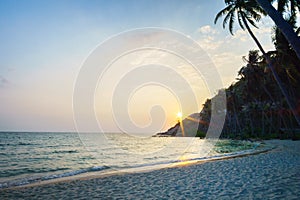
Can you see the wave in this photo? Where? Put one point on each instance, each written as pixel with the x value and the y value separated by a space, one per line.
pixel 66 151
pixel 203 158
pixel 30 180
pixel 18 144
pixel 76 172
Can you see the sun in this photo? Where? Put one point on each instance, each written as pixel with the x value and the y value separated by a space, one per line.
pixel 179 115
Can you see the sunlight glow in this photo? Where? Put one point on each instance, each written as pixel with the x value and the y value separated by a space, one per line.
pixel 179 115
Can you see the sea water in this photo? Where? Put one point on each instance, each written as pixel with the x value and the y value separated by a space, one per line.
pixel 29 157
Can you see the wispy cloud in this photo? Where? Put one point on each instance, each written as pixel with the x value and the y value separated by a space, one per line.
pixel 207 30
pixel 3 82
pixel 226 51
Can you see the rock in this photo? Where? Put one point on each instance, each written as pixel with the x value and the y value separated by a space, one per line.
pixel 187 128
pixel 170 132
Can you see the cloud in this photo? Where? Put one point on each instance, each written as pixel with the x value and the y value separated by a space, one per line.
pixel 11 69
pixel 239 35
pixel 207 30
pixel 207 38
pixel 3 82
pixel 227 50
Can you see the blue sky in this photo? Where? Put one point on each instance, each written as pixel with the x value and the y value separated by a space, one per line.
pixel 44 43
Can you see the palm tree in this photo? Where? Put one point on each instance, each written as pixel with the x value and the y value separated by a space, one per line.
pixel 283 25
pixel 246 11
pixel 285 55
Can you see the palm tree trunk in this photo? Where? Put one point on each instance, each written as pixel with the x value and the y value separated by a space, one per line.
pixel 251 124
pixel 277 79
pixel 253 37
pixel 237 122
pixel 271 123
pixel 284 26
pixel 263 122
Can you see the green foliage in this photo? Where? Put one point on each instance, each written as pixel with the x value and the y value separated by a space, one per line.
pixel 243 11
pixel 228 146
pixel 296 136
pixel 256 107
pixel 200 134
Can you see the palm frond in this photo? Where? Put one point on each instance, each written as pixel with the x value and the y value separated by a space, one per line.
pixel 240 21
pixel 298 31
pixel 251 22
pixel 254 15
pixel 297 4
pixel 231 21
pixel 281 5
pixel 253 6
pixel 229 2
pixel 222 12
pixel 219 15
pixel 226 19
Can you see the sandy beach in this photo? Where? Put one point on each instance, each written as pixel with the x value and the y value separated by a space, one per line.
pixel 271 175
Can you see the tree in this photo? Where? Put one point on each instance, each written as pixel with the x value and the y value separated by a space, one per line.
pixel 282 24
pixel 245 12
pixel 248 11
pixel 285 56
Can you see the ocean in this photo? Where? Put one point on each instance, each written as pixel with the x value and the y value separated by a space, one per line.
pixel 28 157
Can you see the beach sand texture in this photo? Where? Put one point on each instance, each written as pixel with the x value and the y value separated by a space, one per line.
pixel 271 175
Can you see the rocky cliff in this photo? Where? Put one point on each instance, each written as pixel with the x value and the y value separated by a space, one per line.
pixel 186 128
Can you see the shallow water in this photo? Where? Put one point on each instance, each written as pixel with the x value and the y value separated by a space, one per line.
pixel 29 157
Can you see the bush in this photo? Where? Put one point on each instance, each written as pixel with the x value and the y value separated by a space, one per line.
pixel 200 134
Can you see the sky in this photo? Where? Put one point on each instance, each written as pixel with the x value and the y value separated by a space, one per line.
pixel 44 45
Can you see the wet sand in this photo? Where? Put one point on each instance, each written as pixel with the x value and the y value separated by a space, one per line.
pixel 271 175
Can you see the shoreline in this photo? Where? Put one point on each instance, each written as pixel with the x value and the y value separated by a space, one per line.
pixel 273 174
pixel 198 161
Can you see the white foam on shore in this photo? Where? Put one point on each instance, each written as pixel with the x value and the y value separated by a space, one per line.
pixel 30 180
pixel 94 172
